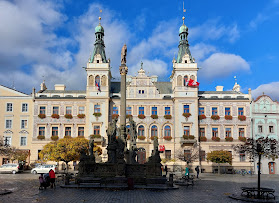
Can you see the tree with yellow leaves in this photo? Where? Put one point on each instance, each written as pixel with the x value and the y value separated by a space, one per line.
pixel 66 150
pixel 220 156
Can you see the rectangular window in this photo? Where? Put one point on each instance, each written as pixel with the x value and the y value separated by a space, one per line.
pixel 24 107
pixel 68 131
pixel 154 110
pixel 186 109
pixel 228 132
pixel 241 132
pixel 214 111
pixel 115 110
pixel 187 155
pixel 202 132
pixel 186 130
pixel 81 110
pixel 271 129
pixel 214 132
pixel 96 130
pixel 168 154
pixel 227 111
pixel 242 156
pixel 80 131
pixel 141 110
pixel 97 108
pixel 260 128
pixel 139 91
pixel 7 141
pixel 23 124
pixel 201 110
pixel 23 141
pixel 202 155
pixel 129 110
pixel 68 110
pixel 54 131
pixel 42 110
pixel 9 107
pixel 167 110
pixel 240 111
pixel 42 131
pixel 8 124
pixel 55 110
pixel 142 91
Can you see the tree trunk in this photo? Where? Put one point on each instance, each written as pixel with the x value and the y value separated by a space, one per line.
pixel 219 172
pixel 67 167
pixel 259 176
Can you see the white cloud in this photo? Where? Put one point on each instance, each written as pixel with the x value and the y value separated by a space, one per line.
pixel 270 89
pixel 213 30
pixel 200 51
pixel 221 65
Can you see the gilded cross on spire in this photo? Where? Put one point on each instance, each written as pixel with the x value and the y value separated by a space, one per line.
pixel 141 64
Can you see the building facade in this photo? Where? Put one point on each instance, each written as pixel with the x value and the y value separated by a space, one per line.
pixel 265 114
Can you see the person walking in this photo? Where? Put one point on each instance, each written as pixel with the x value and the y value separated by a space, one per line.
pixel 52 178
pixel 197 169
pixel 41 180
pixel 187 172
pixel 166 169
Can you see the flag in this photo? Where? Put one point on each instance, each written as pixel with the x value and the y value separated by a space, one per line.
pixel 98 85
pixel 193 83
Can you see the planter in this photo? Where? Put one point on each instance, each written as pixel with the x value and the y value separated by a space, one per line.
pixel 152 137
pixel 81 116
pixel 114 116
pixel 55 116
pixel 167 116
pixel 141 137
pixel 42 116
pixel 67 136
pixel 186 137
pixel 203 139
pixel 201 117
pixel 154 116
pixel 215 117
pixel 229 139
pixel 129 116
pixel 167 138
pixel 243 139
pixel 186 115
pixel 191 137
pixel 228 117
pixel 141 116
pixel 40 137
pixel 95 136
pixel 216 139
pixel 54 138
pixel 242 118
pixel 97 114
pixel 68 116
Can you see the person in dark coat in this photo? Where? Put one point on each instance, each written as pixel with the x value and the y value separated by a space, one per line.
pixel 197 169
pixel 166 169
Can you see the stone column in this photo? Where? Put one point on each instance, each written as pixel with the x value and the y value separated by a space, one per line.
pixel 123 71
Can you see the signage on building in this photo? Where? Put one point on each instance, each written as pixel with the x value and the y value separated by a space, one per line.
pixel 161 148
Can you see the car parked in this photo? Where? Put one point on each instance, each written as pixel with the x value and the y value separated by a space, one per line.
pixel 11 168
pixel 44 168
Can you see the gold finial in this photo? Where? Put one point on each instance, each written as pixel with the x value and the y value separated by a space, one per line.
pixel 184 11
pixel 100 16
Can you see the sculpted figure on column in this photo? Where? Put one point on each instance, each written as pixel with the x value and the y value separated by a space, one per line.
pixel 123 54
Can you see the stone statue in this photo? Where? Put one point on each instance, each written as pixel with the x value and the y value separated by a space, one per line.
pixel 91 146
pixel 123 54
pixel 112 142
pixel 133 131
pixel 155 158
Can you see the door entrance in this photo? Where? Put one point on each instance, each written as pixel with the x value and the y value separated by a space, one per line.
pixel 271 166
pixel 141 156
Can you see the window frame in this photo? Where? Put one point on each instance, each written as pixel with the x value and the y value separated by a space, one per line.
pixel 128 111
pixel 240 112
pixel 52 130
pixel 21 120
pixel 67 110
pixel 24 109
pixel 115 110
pixel 186 108
pixel 21 139
pixel 9 109
pixel 42 130
pixel 154 130
pixel 81 111
pixel 215 133
pixel 41 110
pixel 186 131
pixel 228 112
pixel 240 132
pixel 167 131
pixel 228 133
pixel 96 130
pixel 167 110
pixel 203 111
pixel 80 131
pixel 11 123
pixel 54 110
pixel 141 130
pixel 68 131
pixel 214 111
pixel 141 110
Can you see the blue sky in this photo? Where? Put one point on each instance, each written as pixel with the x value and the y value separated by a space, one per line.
pixel 52 40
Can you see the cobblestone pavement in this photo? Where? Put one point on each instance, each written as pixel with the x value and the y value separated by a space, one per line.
pixel 210 188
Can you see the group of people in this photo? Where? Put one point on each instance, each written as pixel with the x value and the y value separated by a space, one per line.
pixel 47 179
pixel 187 171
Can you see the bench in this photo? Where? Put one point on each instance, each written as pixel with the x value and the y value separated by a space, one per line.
pixel 265 193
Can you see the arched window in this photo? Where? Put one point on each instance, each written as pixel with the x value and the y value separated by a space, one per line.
pixel 167 131
pixel 179 81
pixel 154 131
pixel 141 130
pixel 185 80
pixel 104 81
pixel 90 80
pixel 97 81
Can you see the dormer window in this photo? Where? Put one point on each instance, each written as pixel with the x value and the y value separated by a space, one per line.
pixel 98 61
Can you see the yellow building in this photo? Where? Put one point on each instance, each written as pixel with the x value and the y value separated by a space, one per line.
pixel 16 120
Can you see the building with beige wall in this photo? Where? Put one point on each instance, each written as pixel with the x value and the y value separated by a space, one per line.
pixel 16 120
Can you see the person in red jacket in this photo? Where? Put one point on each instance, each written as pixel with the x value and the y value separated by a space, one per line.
pixel 52 178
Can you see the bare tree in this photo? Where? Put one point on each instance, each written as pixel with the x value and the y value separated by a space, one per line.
pixel 191 156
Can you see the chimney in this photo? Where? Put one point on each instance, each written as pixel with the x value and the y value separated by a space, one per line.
pixel 219 88
pixel 59 87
